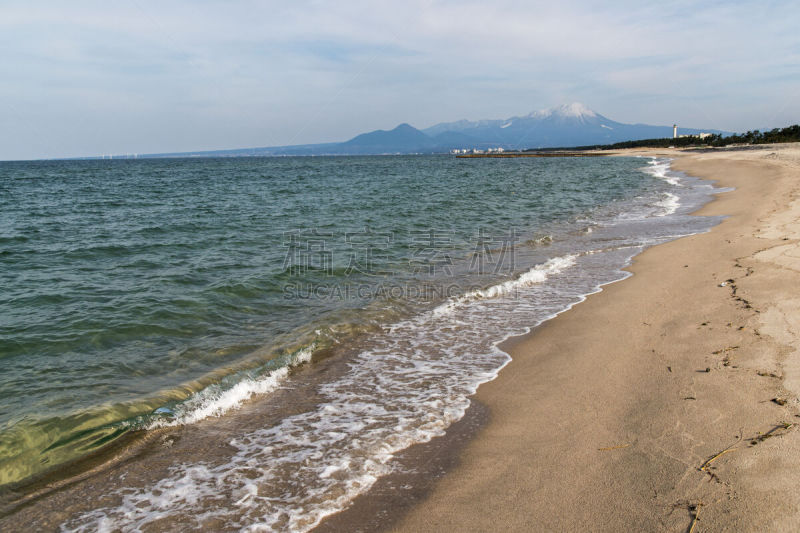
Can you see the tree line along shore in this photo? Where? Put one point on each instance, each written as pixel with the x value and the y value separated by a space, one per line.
pixel 788 134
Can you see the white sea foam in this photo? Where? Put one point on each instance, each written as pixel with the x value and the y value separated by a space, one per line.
pixel 668 204
pixel 216 400
pixel 660 168
pixel 537 274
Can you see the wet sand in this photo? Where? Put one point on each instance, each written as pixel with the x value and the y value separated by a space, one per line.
pixel 666 402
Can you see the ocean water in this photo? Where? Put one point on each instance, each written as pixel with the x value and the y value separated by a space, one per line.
pixel 139 295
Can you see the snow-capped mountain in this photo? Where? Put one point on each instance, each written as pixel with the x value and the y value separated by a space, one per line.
pixel 566 125
pixel 574 110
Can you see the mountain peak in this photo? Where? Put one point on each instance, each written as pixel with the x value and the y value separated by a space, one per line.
pixel 403 138
pixel 573 110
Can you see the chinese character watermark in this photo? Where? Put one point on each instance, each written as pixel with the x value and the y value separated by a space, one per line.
pixel 307 252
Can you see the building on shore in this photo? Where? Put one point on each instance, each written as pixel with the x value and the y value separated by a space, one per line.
pixel 676 136
pixel 701 135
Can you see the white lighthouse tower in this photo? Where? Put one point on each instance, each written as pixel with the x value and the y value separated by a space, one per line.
pixel 674 131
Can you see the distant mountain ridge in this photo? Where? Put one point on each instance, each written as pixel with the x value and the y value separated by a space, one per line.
pixel 563 126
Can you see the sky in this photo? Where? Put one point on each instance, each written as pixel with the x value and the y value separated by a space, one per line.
pixel 86 78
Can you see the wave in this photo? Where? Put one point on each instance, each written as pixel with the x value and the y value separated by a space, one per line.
pixel 668 204
pixel 537 274
pixel 216 400
pixel 659 168
pixel 540 241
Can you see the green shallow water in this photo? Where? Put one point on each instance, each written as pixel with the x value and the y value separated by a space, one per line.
pixel 129 285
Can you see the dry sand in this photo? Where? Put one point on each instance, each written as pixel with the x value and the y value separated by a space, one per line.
pixel 653 401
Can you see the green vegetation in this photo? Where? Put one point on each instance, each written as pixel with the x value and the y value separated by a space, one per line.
pixel 777 135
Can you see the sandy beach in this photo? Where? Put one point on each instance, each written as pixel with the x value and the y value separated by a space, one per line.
pixel 666 402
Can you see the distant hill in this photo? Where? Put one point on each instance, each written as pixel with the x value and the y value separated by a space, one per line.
pixel 402 139
pixel 562 126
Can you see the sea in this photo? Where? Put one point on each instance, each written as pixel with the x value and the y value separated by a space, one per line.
pixel 258 338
